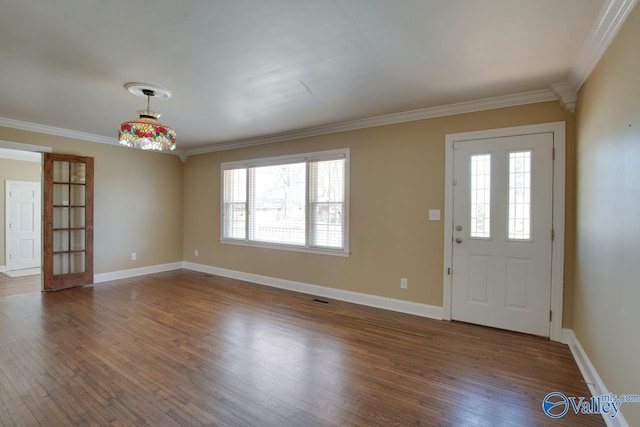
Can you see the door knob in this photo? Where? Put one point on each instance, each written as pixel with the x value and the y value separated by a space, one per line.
pixel 458 240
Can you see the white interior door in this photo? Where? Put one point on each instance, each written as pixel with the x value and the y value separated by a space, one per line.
pixel 23 228
pixel 502 232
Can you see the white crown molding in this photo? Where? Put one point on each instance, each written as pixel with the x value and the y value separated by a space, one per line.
pixel 51 130
pixel 532 97
pixel 612 16
pixel 504 101
pixel 68 133
pixel 567 95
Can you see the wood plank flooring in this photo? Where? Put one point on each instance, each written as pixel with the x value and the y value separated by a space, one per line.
pixel 19 285
pixel 181 349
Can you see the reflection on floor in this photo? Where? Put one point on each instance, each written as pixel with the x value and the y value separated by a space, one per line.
pixel 182 348
pixel 19 285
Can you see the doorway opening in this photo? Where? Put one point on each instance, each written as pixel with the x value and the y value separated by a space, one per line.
pixel 20 220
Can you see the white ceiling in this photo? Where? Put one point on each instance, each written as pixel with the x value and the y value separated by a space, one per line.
pixel 251 68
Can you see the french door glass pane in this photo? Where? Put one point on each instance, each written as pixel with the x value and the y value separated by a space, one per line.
pixel 60 241
pixel 77 217
pixel 77 263
pixel 60 171
pixel 61 263
pixel 77 195
pixel 78 173
pixel 77 240
pixel 60 194
pixel 60 217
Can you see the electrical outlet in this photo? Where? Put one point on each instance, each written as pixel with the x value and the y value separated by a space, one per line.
pixel 404 283
pixel 134 256
pixel 195 252
pixel 434 214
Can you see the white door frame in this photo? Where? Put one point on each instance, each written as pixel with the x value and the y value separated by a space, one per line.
pixel 557 259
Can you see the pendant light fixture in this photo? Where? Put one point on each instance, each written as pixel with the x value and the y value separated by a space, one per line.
pixel 146 133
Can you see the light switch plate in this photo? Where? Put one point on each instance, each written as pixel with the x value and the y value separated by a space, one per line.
pixel 434 214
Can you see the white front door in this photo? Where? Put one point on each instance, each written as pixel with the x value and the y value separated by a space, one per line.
pixel 502 232
pixel 23 228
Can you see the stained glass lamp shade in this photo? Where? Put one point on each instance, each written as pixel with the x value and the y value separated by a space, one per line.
pixel 146 133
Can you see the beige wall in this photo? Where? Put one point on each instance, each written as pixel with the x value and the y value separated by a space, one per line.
pixel 138 201
pixel 607 257
pixel 141 200
pixel 397 175
pixel 13 170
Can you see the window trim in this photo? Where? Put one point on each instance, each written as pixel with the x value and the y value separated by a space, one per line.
pixel 338 154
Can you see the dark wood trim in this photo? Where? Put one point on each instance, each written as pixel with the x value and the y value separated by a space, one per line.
pixel 62 281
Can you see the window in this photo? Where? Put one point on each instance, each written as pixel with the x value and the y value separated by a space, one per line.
pixel 481 196
pixel 293 202
pixel 520 195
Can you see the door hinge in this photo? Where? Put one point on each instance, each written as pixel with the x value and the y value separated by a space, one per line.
pixel 449 271
pixel 550 315
pixel 553 234
pixel 553 153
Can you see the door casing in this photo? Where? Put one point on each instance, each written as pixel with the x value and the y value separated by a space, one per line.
pixel 558 214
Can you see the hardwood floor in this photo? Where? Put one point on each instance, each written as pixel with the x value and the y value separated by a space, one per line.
pixel 19 285
pixel 181 348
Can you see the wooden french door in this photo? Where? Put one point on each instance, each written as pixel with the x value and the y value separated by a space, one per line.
pixel 68 221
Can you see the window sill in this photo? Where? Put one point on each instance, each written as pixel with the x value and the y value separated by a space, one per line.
pixel 291 248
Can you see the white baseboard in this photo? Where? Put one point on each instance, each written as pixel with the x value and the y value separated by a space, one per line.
pixel 133 272
pixel 3 268
pixel 408 307
pixel 590 375
pixel 423 310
